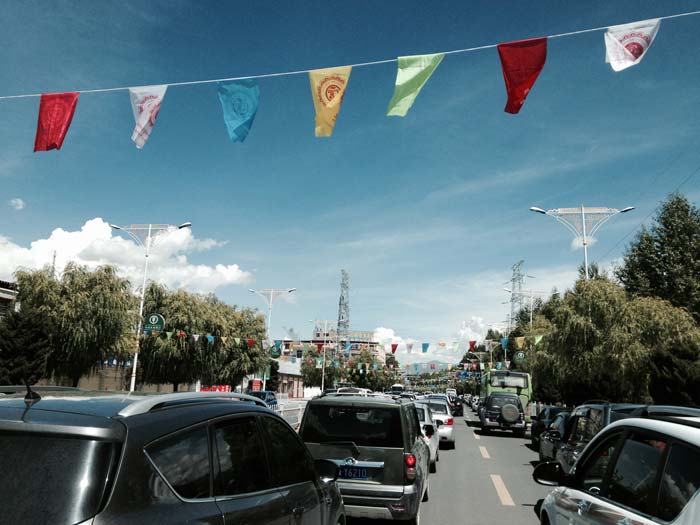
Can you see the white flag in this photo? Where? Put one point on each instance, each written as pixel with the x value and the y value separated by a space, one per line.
pixel 626 45
pixel 145 103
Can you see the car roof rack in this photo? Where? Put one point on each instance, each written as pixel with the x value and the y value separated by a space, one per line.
pixel 142 406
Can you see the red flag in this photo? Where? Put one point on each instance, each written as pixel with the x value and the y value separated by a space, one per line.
pixel 319 346
pixel 432 366
pixel 55 115
pixel 521 62
pixel 472 345
pixel 394 346
pixel 251 343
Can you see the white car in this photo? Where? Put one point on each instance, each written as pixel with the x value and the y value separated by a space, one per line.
pixel 637 471
pixel 425 416
pixel 442 415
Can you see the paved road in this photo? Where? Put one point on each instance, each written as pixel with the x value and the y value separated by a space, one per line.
pixel 485 480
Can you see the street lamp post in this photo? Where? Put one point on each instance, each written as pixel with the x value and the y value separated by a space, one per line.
pixel 582 222
pixel 326 324
pixel 139 232
pixel 270 295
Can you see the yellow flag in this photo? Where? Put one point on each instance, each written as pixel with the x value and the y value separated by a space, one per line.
pixel 519 342
pixel 327 89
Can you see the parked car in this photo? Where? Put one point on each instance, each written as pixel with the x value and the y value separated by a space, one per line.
pixel 430 432
pixel 550 438
pixel 378 446
pixel 585 422
pixel 542 422
pixel 503 411
pixel 267 396
pixel 192 457
pixel 639 470
pixel 442 415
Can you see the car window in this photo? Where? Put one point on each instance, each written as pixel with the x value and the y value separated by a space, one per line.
pixel 415 423
pixel 632 481
pixel 438 408
pixel 42 473
pixel 679 482
pixel 289 459
pixel 375 426
pixel 421 414
pixel 183 460
pixel 556 423
pixel 242 467
pixel 594 424
pixel 593 470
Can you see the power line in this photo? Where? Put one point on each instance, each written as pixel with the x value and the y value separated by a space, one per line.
pixel 361 64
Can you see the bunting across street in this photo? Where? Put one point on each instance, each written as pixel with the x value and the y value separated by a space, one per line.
pixel 522 62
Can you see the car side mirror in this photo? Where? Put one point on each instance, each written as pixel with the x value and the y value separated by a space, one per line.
pixel 550 474
pixel 429 430
pixel 326 470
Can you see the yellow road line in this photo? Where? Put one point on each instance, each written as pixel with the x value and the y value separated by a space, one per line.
pixel 484 453
pixel 502 491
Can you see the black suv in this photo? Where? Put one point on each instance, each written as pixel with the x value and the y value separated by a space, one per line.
pixel 584 423
pixel 378 445
pixel 503 411
pixel 216 458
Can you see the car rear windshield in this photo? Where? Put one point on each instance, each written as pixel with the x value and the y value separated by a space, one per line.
pixel 499 401
pixel 438 408
pixel 509 380
pixel 52 479
pixel 364 426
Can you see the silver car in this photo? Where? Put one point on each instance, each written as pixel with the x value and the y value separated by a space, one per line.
pixel 432 438
pixel 442 415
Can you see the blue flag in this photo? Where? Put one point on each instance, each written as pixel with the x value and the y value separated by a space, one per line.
pixel 239 102
pixel 504 342
pixel 278 344
pixel 348 347
pixel 210 338
pixel 425 347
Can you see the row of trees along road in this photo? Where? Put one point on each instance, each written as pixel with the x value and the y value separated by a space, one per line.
pixel 68 326
pixel 631 336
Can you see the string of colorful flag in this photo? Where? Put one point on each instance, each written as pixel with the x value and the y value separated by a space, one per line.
pixel 521 62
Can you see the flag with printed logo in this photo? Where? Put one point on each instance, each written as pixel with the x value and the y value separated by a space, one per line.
pixel 412 74
pixel 145 104
pixel 239 103
pixel 626 45
pixel 56 112
pixel 327 90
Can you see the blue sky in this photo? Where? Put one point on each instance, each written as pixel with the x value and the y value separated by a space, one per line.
pixel 427 212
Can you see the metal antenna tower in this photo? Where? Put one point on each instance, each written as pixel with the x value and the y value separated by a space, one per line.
pixel 343 325
pixel 516 286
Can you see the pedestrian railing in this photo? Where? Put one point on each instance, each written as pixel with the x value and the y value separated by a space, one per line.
pixel 292 411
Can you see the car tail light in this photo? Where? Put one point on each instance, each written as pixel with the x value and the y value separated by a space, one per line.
pixel 410 461
pixel 449 421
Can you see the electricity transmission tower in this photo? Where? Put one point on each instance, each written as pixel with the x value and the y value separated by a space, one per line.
pixel 516 285
pixel 343 326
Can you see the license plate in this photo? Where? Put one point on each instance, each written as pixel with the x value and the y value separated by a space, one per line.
pixel 353 472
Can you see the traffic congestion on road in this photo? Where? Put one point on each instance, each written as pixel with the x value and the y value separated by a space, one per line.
pixel 357 456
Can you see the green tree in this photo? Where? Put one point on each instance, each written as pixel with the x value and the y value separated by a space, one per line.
pixel 273 380
pixel 89 314
pixel 311 375
pixel 664 259
pixel 24 348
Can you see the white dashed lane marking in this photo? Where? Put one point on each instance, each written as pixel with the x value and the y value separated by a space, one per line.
pixel 502 491
pixel 484 453
pixel 476 436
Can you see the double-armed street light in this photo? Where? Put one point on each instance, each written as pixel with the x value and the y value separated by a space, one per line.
pixel 142 234
pixel 582 222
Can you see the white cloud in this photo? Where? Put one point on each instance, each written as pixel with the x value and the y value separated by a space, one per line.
pixel 97 244
pixel 17 203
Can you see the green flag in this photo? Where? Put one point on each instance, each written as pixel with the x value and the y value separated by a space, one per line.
pixel 412 74
pixel 237 340
pixel 538 338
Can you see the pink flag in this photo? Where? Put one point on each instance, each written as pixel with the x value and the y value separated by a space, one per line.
pixel 55 115
pixel 394 346
pixel 145 103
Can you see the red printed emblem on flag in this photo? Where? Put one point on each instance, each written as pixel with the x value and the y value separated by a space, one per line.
pixel 55 115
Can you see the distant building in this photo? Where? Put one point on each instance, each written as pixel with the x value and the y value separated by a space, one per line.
pixel 290 380
pixel 8 294
pixel 358 341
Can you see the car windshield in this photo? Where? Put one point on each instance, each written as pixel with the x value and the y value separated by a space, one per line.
pixel 499 401
pixel 53 479
pixel 364 426
pixel 438 408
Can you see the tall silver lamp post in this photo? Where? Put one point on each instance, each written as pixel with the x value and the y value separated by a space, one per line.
pixel 142 234
pixel 270 295
pixel 582 222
